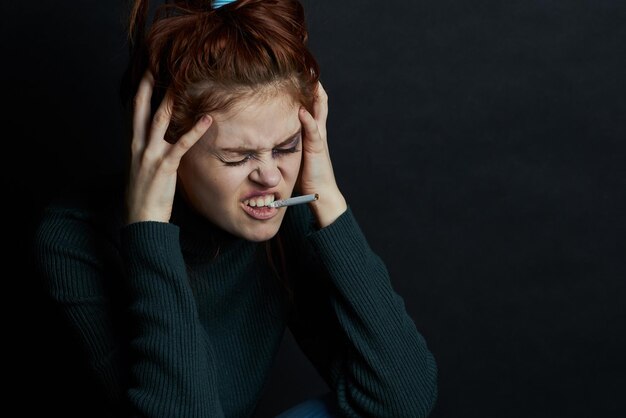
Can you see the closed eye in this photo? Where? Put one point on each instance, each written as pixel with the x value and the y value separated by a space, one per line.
pixel 247 158
pixel 276 152
pixel 289 150
pixel 281 151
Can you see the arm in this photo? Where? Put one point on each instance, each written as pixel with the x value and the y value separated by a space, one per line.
pixel 168 368
pixel 139 330
pixel 173 373
pixel 80 272
pixel 355 330
pixel 349 321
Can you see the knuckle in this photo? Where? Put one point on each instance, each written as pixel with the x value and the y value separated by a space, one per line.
pixel 321 94
pixel 185 142
pixel 135 148
pixel 137 100
pixel 161 117
pixel 150 157
pixel 182 143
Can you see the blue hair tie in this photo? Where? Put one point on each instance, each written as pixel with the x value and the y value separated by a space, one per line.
pixel 219 3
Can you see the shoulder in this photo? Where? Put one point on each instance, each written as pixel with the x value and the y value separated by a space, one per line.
pixel 75 246
pixel 80 218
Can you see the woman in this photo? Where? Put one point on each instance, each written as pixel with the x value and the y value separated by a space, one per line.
pixel 181 293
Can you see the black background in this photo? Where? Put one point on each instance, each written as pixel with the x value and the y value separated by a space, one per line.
pixel 481 145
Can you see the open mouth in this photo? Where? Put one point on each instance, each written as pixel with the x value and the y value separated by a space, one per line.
pixel 259 201
pixel 257 207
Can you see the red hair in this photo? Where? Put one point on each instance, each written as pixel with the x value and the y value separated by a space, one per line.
pixel 210 58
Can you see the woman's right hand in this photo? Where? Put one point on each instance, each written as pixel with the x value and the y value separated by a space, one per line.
pixel 154 161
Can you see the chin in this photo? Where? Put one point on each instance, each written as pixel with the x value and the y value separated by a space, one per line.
pixel 257 233
pixel 258 236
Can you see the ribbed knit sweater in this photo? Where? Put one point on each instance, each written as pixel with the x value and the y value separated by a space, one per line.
pixel 182 319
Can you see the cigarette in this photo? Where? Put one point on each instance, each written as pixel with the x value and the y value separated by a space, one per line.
pixel 294 200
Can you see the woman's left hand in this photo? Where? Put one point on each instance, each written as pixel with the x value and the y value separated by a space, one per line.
pixel 316 174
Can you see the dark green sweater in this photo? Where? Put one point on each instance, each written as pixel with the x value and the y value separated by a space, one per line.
pixel 181 319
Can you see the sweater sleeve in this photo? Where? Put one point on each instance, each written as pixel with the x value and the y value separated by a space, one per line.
pixel 172 374
pixel 354 328
pixel 146 348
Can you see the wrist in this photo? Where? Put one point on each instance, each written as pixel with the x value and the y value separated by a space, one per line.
pixel 328 207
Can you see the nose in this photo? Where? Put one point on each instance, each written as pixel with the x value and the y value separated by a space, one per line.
pixel 266 173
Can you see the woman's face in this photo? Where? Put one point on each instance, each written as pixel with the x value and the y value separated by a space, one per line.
pixel 249 157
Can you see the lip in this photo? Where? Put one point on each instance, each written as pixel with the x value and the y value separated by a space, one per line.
pixel 263 193
pixel 262 213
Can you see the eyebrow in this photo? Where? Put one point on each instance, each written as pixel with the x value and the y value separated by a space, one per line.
pixel 281 144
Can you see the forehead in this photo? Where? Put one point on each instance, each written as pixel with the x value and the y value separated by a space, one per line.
pixel 256 122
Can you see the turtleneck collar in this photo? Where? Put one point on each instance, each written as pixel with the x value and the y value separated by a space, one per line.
pixel 198 235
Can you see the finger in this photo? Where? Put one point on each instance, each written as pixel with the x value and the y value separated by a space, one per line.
pixel 313 139
pixel 160 123
pixel 320 107
pixel 141 110
pixel 189 139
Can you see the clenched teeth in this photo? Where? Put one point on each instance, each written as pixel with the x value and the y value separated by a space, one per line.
pixel 259 201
